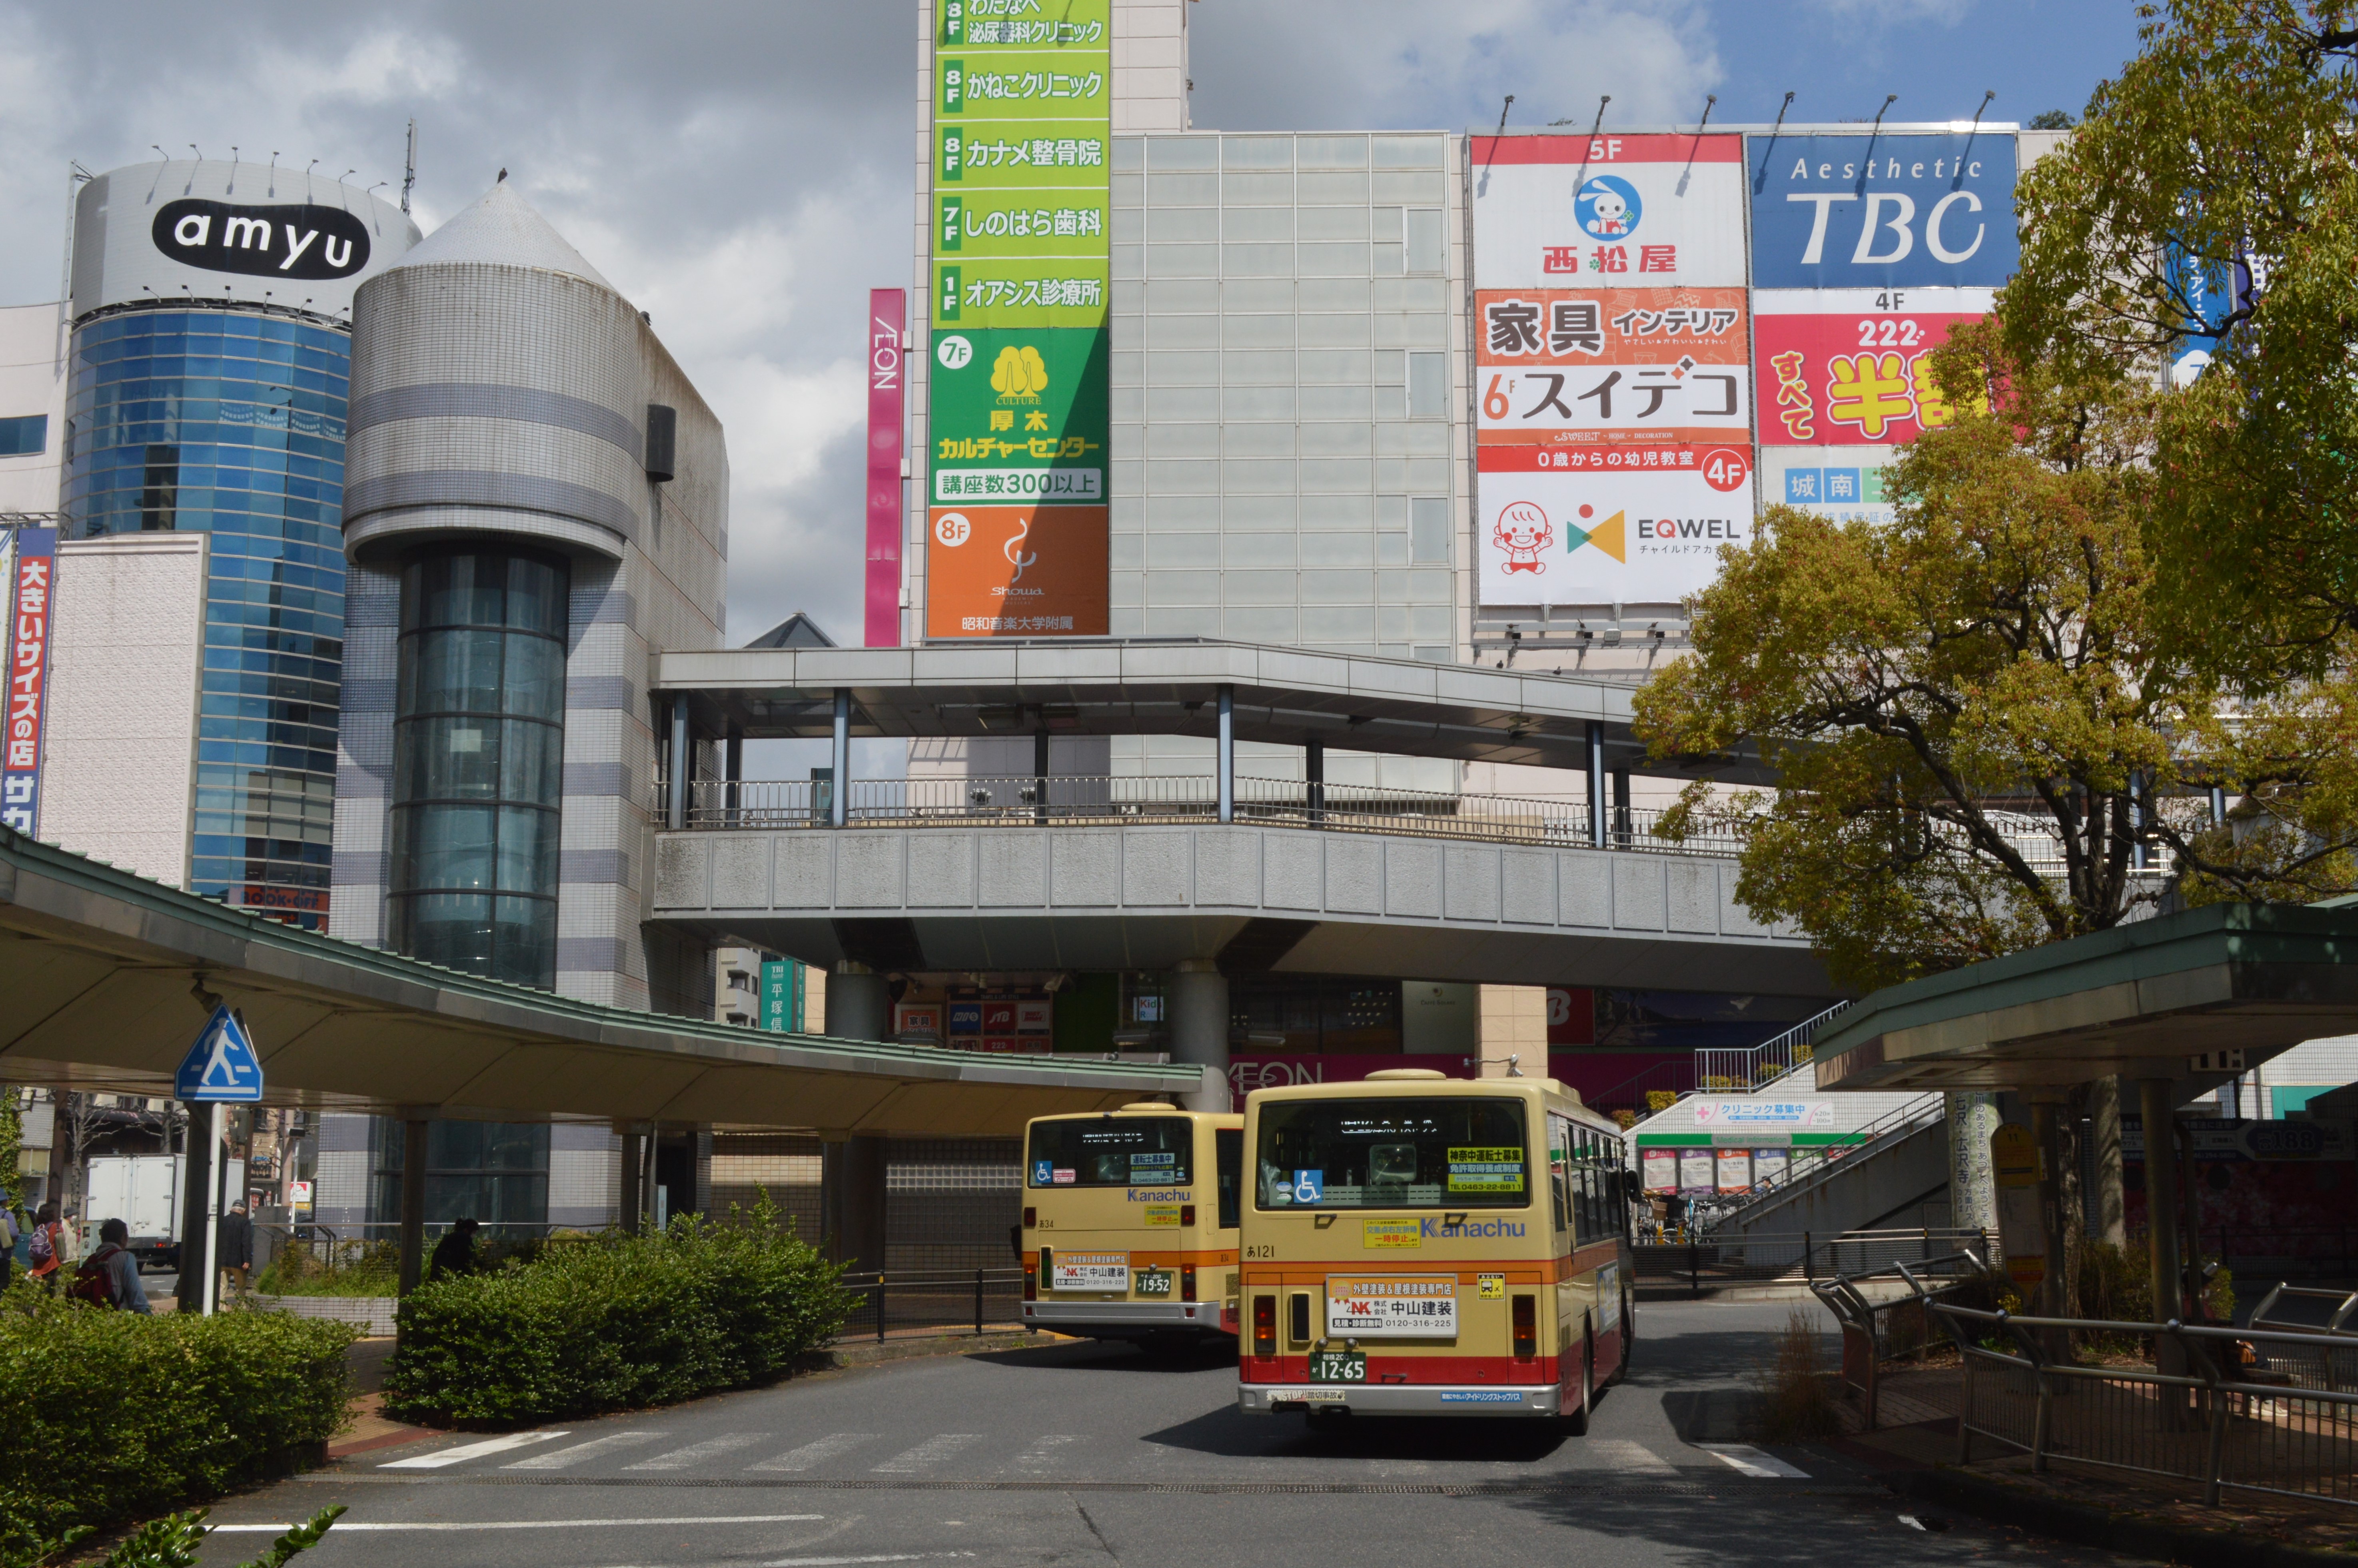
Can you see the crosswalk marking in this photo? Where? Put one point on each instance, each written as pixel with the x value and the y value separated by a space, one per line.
pixel 1043 1450
pixel 810 1454
pixel 474 1451
pixel 1620 1453
pixel 696 1453
pixel 926 1454
pixel 1753 1462
pixel 566 1458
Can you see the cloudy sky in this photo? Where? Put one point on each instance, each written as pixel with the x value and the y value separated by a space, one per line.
pixel 742 169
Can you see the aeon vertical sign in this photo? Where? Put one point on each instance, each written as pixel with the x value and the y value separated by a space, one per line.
pixel 888 324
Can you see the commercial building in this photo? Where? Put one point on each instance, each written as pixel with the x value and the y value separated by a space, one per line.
pixel 32 407
pixel 206 383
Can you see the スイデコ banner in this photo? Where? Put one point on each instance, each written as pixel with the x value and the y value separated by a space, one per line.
pixel 32 619
pixel 1628 365
pixel 1018 413
pixel 888 330
pixel 1608 211
pixel 1888 210
pixel 1852 366
pixel 1592 527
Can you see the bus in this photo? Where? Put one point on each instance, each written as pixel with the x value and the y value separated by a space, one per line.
pixel 1130 1224
pixel 1420 1244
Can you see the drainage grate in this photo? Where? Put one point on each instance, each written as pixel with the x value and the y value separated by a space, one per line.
pixel 1614 1486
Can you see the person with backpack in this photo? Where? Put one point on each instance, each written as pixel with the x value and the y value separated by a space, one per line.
pixel 110 1276
pixel 46 1251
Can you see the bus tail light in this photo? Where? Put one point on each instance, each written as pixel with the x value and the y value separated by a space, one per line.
pixel 1031 1289
pixel 1298 1317
pixel 1526 1329
pixel 1187 1213
pixel 1187 1283
pixel 1031 1217
pixel 1044 1275
pixel 1264 1325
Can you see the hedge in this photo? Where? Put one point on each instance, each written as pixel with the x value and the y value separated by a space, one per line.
pixel 106 1416
pixel 613 1322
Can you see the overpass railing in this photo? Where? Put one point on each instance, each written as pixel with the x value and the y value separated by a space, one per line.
pixel 1130 801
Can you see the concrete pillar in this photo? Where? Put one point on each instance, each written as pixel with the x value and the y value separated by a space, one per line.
pixel 852 1199
pixel 1199 1013
pixel 1510 1032
pixel 1314 775
pixel 1622 826
pixel 839 790
pixel 1227 754
pixel 1973 1188
pixel 413 1203
pixel 1040 777
pixel 1597 825
pixel 2044 1119
pixel 2156 1107
pixel 631 1198
pixel 2112 1204
pixel 859 1004
pixel 676 808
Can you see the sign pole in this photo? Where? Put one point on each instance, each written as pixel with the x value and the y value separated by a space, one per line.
pixel 212 1208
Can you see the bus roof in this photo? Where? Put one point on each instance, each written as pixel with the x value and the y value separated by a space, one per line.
pixel 1558 1096
pixel 1147 1107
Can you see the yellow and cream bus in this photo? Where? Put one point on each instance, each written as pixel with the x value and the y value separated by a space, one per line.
pixel 1420 1244
pixel 1130 1223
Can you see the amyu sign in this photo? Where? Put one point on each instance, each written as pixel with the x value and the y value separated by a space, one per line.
pixel 290 241
pixel 1892 210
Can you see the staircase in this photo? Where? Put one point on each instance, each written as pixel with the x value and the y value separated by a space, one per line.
pixel 1900 1160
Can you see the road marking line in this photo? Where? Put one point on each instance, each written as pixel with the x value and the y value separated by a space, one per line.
pixel 342 1527
pixel 681 1458
pixel 1753 1462
pixel 880 1557
pixel 931 1452
pixel 474 1451
pixel 811 1454
pixel 565 1458
pixel 1041 1451
pixel 1622 1455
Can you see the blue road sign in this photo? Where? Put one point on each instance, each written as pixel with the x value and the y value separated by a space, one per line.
pixel 220 1066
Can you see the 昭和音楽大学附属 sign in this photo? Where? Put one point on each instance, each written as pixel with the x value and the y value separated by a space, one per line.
pixel 1018 415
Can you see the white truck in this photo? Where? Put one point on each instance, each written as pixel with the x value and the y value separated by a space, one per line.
pixel 143 1190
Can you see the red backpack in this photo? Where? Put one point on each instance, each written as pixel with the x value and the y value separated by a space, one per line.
pixel 94 1281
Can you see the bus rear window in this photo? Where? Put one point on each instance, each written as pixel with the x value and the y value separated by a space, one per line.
pixel 1113 1151
pixel 1392 1153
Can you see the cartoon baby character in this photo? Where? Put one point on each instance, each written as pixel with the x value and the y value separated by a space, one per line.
pixel 1523 531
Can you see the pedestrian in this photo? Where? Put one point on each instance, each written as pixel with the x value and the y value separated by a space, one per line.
pixel 45 1251
pixel 8 1234
pixel 455 1253
pixel 110 1276
pixel 235 1241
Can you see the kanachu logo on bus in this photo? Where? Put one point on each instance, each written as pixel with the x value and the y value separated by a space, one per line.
pixel 1443 1230
pixel 1159 1194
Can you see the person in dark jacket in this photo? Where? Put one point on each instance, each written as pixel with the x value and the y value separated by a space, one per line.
pixel 455 1253
pixel 236 1241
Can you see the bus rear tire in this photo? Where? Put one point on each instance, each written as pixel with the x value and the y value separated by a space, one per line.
pixel 1575 1420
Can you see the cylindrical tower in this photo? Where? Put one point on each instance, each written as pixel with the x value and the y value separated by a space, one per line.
pixel 211 357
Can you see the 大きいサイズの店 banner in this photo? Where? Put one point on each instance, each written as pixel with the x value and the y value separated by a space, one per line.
pixel 1018 413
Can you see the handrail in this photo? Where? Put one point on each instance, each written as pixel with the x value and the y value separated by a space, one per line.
pixel 1823 1163
pixel 1790 1050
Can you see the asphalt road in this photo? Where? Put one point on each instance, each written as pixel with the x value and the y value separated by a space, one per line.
pixel 1090 1453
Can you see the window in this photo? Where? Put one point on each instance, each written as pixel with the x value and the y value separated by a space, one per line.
pixel 1424 239
pixel 1229 1155
pixel 1428 386
pixel 24 436
pixel 1428 531
pixel 1113 1151
pixel 1392 1153
pixel 490 1172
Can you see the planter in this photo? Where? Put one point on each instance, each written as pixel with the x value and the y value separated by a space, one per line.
pixel 372 1315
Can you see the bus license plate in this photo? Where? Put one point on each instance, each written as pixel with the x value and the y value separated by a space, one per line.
pixel 1090 1272
pixel 1153 1281
pixel 1338 1365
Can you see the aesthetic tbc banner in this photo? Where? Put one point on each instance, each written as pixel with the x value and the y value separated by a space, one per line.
pixel 1894 209
pixel 1018 415
pixel 888 333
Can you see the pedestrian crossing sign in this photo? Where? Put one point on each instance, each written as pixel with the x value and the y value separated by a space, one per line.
pixel 220 1066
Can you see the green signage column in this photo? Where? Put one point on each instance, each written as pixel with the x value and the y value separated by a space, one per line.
pixel 1019 412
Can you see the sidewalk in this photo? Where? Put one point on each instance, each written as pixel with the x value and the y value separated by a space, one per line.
pixel 1915 1448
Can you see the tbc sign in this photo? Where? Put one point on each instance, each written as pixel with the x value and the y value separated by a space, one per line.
pixel 1887 210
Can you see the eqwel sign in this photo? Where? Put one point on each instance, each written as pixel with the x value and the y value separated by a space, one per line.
pixel 1018 411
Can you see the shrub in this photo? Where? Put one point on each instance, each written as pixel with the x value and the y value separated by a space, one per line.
pixel 614 1323
pixel 1797 1395
pixel 173 1541
pixel 107 1415
pixel 2116 1283
pixel 352 1269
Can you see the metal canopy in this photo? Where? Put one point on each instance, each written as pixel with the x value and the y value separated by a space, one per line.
pixel 99 970
pixel 1284 695
pixel 2174 996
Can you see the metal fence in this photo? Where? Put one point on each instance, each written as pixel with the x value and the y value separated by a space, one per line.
pixel 1894 1329
pixel 2284 1252
pixel 2256 1410
pixel 975 1301
pixel 1699 1265
pixel 1192 798
pixel 1748 1067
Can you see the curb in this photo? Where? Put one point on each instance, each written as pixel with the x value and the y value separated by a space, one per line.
pixel 869 1352
pixel 2127 1533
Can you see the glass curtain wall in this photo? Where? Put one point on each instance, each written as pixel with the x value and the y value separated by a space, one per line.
pixel 478 759
pixel 493 1173
pixel 232 423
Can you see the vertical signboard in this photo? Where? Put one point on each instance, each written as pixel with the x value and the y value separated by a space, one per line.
pixel 782 1000
pixel 1019 412
pixel 32 592
pixel 1614 423
pixel 888 325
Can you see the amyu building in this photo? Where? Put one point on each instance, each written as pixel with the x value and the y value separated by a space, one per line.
pixel 209 365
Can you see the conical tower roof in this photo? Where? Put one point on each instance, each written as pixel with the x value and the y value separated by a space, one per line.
pixel 503 228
